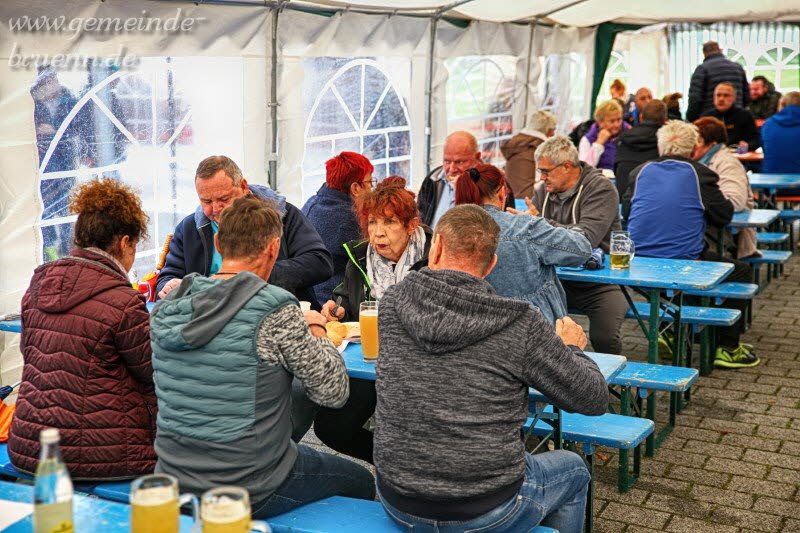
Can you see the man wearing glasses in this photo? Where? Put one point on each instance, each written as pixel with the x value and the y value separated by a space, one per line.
pixel 572 194
pixel 437 192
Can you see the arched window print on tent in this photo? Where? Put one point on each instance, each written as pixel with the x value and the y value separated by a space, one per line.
pixel 480 100
pixel 354 105
pixel 135 126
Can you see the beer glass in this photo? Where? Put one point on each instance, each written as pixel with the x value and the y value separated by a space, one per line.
pixel 368 321
pixel 155 504
pixel 227 510
pixel 622 250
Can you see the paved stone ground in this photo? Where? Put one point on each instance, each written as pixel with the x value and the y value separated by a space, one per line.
pixel 733 462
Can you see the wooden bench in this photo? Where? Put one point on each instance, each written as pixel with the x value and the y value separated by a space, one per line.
pixel 772 258
pixel 624 433
pixel 648 379
pixel 771 237
pixel 8 470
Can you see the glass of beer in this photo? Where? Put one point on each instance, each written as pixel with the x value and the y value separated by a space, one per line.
pixel 155 504
pixel 368 322
pixel 227 510
pixel 622 250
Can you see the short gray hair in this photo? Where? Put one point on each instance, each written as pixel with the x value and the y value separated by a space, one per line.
pixel 469 232
pixel 559 150
pixel 790 98
pixel 543 121
pixel 726 84
pixel 677 137
pixel 213 164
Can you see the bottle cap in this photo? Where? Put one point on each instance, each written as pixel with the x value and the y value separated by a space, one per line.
pixel 49 436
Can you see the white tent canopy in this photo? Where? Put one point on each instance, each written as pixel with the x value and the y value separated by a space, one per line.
pixel 588 12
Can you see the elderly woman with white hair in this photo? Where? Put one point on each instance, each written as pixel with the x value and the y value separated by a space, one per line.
pixel 519 152
pixel 676 210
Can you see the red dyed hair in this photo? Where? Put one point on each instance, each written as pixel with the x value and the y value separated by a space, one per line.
pixel 389 199
pixel 346 169
pixel 477 184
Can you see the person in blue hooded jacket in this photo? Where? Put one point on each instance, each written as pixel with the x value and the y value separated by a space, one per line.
pixel 226 349
pixel 780 136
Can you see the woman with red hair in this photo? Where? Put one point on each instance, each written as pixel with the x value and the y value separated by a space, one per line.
pixel 396 243
pixel 330 211
pixel 529 248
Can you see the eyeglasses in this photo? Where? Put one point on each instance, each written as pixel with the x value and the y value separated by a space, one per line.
pixel 373 182
pixel 546 171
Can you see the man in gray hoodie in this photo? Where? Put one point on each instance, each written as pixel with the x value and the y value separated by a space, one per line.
pixel 573 194
pixel 455 364
pixel 225 350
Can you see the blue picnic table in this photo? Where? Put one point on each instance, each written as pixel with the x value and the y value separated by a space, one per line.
pixel 91 515
pixel 767 186
pixel 13 326
pixel 650 276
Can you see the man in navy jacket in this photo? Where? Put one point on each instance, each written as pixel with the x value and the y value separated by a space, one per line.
pixel 303 260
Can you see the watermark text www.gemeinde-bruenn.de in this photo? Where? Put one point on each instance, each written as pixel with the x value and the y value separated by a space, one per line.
pixel 72 28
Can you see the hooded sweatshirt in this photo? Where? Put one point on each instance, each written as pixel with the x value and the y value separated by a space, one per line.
pixel 224 353
pixel 781 136
pixel 519 152
pixel 591 206
pixel 455 364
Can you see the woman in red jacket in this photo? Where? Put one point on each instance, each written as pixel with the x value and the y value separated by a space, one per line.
pixel 86 347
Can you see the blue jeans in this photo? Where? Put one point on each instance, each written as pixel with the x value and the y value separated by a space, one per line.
pixel 316 476
pixel 553 495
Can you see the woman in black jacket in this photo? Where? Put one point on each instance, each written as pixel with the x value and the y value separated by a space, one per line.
pixel 396 244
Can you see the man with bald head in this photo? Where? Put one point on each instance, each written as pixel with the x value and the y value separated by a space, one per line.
pixel 437 193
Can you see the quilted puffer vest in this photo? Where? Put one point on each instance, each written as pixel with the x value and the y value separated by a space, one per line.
pixel 224 414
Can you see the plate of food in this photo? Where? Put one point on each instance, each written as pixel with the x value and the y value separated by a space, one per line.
pixel 353 331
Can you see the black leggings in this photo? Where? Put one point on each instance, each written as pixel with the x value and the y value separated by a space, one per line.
pixel 343 429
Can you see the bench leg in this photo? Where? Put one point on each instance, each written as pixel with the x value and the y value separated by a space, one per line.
pixel 706 357
pixel 623 475
pixel 589 454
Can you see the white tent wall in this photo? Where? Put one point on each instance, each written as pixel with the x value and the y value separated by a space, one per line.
pixel 218 33
pixel 648 62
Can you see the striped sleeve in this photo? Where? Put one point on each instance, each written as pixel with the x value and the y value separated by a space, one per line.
pixel 284 339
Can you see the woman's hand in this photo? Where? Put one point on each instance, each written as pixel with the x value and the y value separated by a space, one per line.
pixel 331 311
pixel 603 136
pixel 316 323
pixel 531 209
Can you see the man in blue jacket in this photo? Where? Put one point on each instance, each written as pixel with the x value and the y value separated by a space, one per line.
pixel 781 137
pixel 303 260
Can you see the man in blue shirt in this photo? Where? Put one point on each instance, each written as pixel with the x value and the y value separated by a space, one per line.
pixel 675 210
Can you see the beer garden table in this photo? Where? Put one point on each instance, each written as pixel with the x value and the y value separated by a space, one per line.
pixel 771 183
pixel 650 276
pixel 90 515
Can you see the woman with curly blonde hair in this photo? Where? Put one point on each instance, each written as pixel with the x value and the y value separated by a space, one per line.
pixel 86 347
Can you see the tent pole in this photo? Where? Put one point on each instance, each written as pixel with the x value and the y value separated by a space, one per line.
pixel 272 157
pixel 528 73
pixel 429 94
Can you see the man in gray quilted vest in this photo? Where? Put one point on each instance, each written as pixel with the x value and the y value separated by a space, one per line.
pixel 226 349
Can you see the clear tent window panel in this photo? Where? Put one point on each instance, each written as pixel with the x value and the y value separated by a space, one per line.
pixel 357 105
pixel 147 127
pixel 561 89
pixel 480 99
pixel 618 69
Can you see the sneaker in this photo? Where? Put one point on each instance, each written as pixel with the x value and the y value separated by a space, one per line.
pixel 740 357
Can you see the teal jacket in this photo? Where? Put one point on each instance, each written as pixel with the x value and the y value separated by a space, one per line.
pixel 224 414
